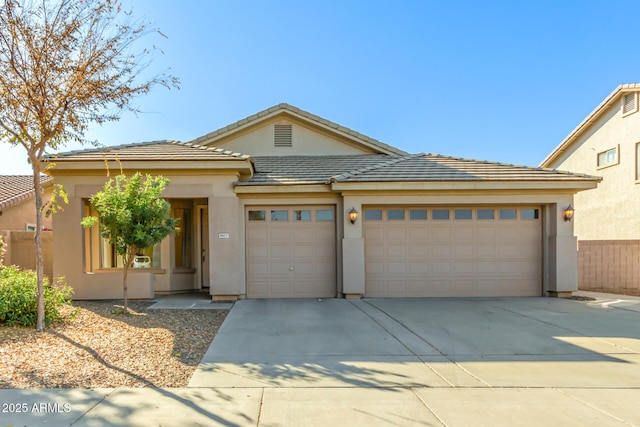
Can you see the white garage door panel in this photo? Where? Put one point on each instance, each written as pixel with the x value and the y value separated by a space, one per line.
pixel 470 257
pixel 292 257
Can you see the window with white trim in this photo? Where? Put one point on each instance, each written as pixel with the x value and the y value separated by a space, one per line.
pixel 608 157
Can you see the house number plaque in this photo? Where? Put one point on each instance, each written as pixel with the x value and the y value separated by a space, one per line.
pixel 223 235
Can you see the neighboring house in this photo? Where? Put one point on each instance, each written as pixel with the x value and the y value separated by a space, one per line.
pixel 18 221
pixel 17 202
pixel 287 204
pixel 607 219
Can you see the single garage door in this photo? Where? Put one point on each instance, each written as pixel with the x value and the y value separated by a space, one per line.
pixel 456 251
pixel 291 251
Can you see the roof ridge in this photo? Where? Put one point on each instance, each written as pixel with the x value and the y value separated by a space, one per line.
pixel 393 161
pixel 304 113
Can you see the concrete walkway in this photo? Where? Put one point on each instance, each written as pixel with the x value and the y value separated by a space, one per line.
pixel 453 362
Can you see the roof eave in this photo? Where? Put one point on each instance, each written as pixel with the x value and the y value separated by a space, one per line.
pixel 573 186
pixel 588 121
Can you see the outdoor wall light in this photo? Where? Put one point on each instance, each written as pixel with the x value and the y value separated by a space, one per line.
pixel 353 215
pixel 568 213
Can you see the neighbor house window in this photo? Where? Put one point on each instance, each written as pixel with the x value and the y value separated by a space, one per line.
pixel 638 161
pixel 608 158
pixel 183 238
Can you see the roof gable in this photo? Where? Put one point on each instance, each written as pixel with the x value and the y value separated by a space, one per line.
pixel 334 134
pixel 593 117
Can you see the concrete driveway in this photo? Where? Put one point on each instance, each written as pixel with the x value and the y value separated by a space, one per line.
pixel 522 361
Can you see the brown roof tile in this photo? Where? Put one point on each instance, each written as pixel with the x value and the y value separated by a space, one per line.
pixel 149 151
pixel 17 188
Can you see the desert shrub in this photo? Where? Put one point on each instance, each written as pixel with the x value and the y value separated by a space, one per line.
pixel 19 297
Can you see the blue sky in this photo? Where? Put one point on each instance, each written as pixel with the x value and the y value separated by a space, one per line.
pixel 492 80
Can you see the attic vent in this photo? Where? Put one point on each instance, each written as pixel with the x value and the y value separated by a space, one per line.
pixel 630 103
pixel 282 136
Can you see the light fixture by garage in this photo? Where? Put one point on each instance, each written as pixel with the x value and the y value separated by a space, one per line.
pixel 568 213
pixel 353 215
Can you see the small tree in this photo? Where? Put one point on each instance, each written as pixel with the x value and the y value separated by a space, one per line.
pixel 65 64
pixel 132 216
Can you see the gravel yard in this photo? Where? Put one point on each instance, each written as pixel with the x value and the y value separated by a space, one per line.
pixel 102 348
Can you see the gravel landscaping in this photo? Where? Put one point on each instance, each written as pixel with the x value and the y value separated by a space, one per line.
pixel 100 347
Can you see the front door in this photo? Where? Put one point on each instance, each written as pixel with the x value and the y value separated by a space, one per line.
pixel 204 247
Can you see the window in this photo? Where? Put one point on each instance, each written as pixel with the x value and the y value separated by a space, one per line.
pixel 608 158
pixel 395 214
pixel 508 213
pixel 418 214
pixel 373 214
pixel 462 214
pixel 282 136
pixel 638 161
pixel 324 215
pixel 302 215
pixel 30 227
pixel 440 214
pixel 485 213
pixel 630 103
pixel 530 214
pixel 279 215
pixel 256 216
pixel 182 241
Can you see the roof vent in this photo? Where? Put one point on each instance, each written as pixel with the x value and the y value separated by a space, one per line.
pixel 282 136
pixel 630 103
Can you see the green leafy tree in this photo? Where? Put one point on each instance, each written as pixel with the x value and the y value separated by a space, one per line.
pixel 132 216
pixel 65 64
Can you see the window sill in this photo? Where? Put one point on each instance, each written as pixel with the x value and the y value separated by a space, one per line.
pixel 131 270
pixel 608 165
pixel 182 270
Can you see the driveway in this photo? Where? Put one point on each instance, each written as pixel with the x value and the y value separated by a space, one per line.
pixel 432 361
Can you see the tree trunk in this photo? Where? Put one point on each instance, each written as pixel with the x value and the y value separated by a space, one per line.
pixel 126 260
pixel 38 242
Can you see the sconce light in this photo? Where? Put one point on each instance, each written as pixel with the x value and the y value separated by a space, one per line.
pixel 568 213
pixel 353 215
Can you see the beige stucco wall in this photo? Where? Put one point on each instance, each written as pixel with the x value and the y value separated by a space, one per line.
pixel 259 142
pixel 559 243
pixel 609 212
pixel 16 217
pixel 91 283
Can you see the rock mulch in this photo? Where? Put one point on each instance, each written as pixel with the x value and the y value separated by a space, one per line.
pixel 100 347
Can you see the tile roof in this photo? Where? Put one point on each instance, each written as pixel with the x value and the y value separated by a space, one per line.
pixel 281 170
pixel 17 188
pixel 434 167
pixel 149 151
pixel 210 137
pixel 290 170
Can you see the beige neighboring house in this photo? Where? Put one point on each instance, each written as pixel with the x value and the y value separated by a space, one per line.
pixel 18 221
pixel 17 202
pixel 286 204
pixel 607 219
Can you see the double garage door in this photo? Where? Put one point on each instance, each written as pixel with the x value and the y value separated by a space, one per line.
pixel 457 251
pixel 409 251
pixel 291 251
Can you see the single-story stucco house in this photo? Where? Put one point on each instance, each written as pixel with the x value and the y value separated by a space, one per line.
pixel 287 204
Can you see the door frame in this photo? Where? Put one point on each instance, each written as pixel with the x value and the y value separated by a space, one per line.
pixel 200 209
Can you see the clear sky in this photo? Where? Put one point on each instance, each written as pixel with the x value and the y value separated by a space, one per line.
pixel 491 80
